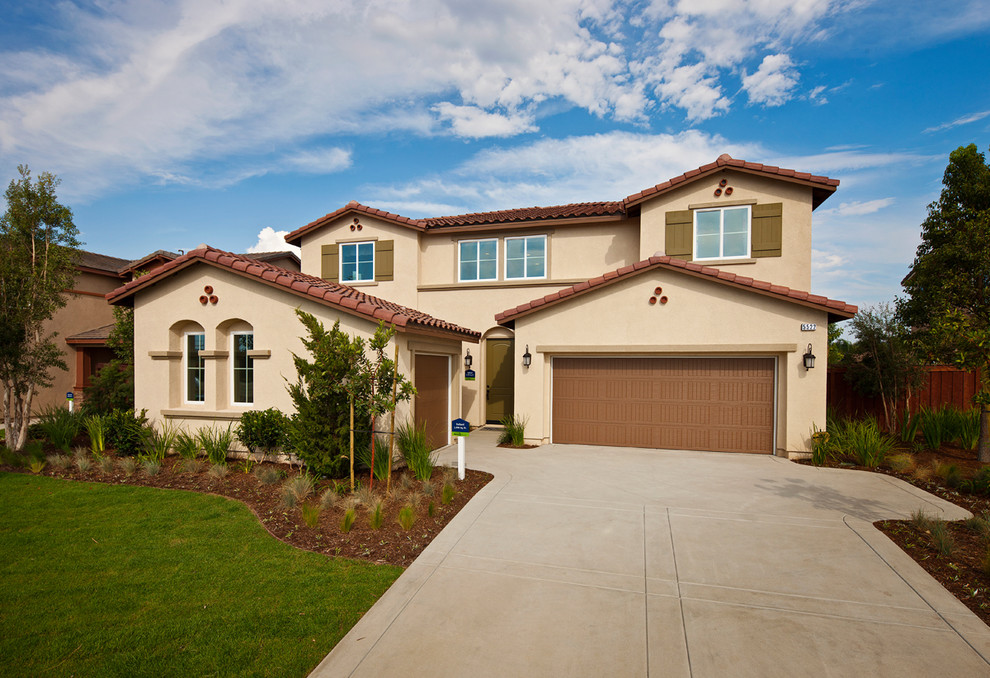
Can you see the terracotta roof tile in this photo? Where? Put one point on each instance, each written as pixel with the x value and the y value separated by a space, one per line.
pixel 840 307
pixel 324 291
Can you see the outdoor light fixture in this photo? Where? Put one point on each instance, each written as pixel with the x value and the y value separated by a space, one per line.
pixel 467 360
pixel 809 359
pixel 527 358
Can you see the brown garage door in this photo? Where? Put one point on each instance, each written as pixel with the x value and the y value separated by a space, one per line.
pixel 718 404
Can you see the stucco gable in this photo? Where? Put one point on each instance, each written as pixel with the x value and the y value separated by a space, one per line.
pixel 837 310
pixel 341 297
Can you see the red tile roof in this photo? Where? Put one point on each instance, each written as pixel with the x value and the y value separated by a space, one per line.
pixel 295 238
pixel 821 186
pixel 839 309
pixel 322 291
pixel 575 210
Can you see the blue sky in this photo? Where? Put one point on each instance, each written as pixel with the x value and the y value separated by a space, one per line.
pixel 190 121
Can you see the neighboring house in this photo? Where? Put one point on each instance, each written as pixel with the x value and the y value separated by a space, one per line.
pixel 84 323
pixel 642 322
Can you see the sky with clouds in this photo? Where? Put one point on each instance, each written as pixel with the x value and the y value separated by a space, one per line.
pixel 230 122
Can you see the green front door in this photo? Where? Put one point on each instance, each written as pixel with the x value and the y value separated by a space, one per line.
pixel 499 379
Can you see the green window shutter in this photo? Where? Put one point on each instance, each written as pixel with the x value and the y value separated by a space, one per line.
pixel 330 263
pixel 767 230
pixel 680 233
pixel 384 259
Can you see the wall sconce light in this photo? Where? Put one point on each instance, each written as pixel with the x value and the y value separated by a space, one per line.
pixel 809 359
pixel 468 360
pixel 527 358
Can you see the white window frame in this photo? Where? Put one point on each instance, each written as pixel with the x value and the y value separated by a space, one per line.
pixel 525 276
pixel 721 232
pixel 478 261
pixel 185 368
pixel 233 368
pixel 356 246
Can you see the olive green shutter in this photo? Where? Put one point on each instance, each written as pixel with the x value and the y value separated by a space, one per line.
pixel 330 263
pixel 680 234
pixel 384 259
pixel 767 230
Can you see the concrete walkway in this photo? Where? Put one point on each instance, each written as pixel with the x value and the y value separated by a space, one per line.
pixel 589 561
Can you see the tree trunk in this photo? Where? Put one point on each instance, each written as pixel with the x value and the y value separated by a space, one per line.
pixel 352 443
pixel 984 446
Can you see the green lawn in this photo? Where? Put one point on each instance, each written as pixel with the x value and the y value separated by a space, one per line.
pixel 100 580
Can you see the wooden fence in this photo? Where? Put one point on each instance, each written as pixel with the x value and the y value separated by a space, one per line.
pixel 942 386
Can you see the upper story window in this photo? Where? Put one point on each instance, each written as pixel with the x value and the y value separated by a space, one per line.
pixel 526 257
pixel 195 367
pixel 357 261
pixel 243 368
pixel 722 233
pixel 478 259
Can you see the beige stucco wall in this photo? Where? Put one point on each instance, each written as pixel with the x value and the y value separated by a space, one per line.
pixel 402 288
pixel 166 310
pixel 85 309
pixel 702 318
pixel 791 269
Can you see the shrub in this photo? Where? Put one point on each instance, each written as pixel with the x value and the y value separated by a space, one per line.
pixel 263 432
pixel 11 458
pixel 864 442
pixel 59 426
pixel 60 461
pixel 415 449
pixel 297 489
pixel 942 538
pixel 150 467
pixel 822 448
pixel 909 426
pixel 105 463
pixel 112 388
pixel 128 465
pixel 247 465
pixel 37 466
pixel 328 499
pixel 95 427
pixel 310 514
pixel 950 473
pixel 933 427
pixel 218 471
pixel 186 445
pixel 901 463
pixel 363 457
pixel 407 517
pixel 347 521
pixel 514 432
pixel 84 464
pixel 217 443
pixel 126 431
pixel 158 443
pixel 968 426
pixel 447 494
pixel 189 465
pixel 268 475
pixel 377 516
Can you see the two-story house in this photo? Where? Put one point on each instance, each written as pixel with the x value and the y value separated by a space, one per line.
pixel 674 318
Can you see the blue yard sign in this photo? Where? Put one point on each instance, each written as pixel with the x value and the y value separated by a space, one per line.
pixel 468 375
pixel 460 427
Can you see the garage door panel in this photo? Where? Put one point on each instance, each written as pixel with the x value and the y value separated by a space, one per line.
pixel 723 404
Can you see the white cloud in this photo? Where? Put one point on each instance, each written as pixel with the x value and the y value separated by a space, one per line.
pixel 270 240
pixel 146 91
pixel 859 208
pixel 558 171
pixel 474 122
pixel 773 81
pixel 964 120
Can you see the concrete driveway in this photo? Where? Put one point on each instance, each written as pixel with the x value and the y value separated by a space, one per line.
pixel 590 561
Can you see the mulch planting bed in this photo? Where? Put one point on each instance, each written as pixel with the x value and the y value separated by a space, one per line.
pixel 389 544
pixel 964 568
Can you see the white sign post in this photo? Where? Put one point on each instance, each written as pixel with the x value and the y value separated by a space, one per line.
pixel 460 428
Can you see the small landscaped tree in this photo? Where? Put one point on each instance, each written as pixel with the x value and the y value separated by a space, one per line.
pixel 320 429
pixel 37 256
pixel 112 388
pixel 948 288
pixel 883 362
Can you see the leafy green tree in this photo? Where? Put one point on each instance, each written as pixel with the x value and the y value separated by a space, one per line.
pixel 38 250
pixel 320 429
pixel 948 289
pixel 840 349
pixel 884 362
pixel 112 388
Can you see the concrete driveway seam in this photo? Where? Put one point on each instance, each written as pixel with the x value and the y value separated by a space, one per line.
pixel 915 577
